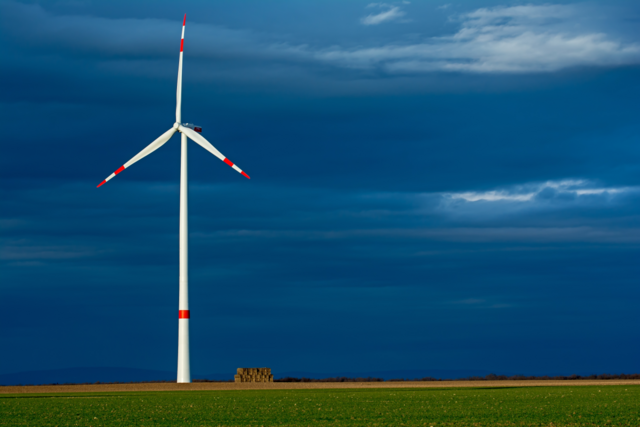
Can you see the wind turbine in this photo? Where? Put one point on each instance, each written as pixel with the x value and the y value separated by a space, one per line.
pixel 192 132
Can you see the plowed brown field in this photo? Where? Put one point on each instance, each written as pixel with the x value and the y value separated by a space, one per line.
pixel 289 386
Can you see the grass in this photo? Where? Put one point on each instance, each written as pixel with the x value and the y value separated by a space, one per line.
pixel 522 406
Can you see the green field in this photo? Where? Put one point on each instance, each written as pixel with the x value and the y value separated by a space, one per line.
pixel 521 406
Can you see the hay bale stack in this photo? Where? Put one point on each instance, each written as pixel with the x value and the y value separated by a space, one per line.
pixel 254 375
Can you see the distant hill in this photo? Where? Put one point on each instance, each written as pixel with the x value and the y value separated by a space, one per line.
pixel 105 375
pixel 85 375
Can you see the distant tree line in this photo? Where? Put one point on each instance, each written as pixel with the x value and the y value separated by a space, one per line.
pixel 490 377
pixel 327 380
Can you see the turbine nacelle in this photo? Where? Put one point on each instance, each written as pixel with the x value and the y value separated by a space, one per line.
pixel 192 126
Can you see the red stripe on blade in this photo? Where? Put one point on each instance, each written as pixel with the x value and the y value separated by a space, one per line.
pixel 243 173
pixel 181 45
pixel 103 182
pixel 229 162
pixel 184 314
pixel 120 169
pixel 185 20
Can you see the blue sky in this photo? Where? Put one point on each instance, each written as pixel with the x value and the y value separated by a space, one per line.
pixel 434 185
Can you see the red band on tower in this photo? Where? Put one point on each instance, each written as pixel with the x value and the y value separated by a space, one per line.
pixel 184 314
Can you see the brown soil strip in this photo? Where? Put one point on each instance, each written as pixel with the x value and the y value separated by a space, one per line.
pixel 97 388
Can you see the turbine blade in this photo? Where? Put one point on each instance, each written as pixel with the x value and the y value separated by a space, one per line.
pixel 179 90
pixel 162 139
pixel 199 139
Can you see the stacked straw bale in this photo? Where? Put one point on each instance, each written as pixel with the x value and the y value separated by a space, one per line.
pixel 254 375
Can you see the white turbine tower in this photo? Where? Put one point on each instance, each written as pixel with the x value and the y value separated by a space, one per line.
pixel 191 132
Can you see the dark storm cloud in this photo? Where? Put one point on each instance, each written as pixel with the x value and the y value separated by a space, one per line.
pixel 420 195
pixel 325 255
pixel 140 39
pixel 501 39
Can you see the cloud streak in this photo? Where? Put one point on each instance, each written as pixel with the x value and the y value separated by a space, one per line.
pixel 389 13
pixel 528 193
pixel 518 39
